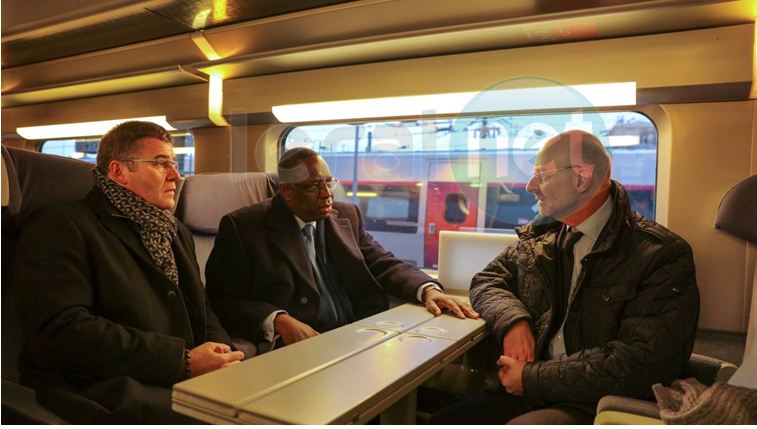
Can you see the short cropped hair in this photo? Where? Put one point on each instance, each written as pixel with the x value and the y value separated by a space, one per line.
pixel 289 170
pixel 120 142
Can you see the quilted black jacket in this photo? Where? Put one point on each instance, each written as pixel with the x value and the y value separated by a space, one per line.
pixel 632 322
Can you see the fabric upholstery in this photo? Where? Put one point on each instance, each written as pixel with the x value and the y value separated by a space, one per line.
pixel 737 213
pixel 206 198
pixel 34 180
pixel 11 189
pixel 39 179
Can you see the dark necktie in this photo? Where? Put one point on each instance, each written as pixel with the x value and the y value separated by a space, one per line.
pixel 327 312
pixel 570 238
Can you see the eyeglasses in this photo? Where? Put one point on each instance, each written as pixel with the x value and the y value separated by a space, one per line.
pixel 541 175
pixel 163 163
pixel 317 187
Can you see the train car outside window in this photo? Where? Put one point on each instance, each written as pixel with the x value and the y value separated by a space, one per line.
pixel 412 179
pixel 86 150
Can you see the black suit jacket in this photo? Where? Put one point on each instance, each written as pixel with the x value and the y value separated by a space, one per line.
pixel 258 265
pixel 93 305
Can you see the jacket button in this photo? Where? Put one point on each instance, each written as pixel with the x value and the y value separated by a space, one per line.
pixel 303 300
pixel 171 295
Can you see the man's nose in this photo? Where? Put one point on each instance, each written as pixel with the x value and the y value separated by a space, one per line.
pixel 173 174
pixel 532 184
pixel 328 191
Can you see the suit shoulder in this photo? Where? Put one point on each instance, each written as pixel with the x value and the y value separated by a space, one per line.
pixel 346 209
pixel 253 211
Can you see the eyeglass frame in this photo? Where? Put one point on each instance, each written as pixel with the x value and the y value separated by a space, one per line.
pixel 317 187
pixel 540 175
pixel 163 163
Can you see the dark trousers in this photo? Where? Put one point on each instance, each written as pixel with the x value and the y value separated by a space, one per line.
pixel 499 407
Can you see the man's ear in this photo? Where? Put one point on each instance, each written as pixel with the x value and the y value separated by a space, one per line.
pixel 285 191
pixel 584 178
pixel 117 172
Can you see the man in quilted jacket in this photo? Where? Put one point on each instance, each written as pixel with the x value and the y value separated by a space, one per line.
pixel 594 299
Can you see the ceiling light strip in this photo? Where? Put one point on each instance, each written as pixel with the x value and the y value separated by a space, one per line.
pixel 555 97
pixel 83 129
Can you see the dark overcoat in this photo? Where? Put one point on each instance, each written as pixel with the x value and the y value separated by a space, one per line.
pixel 93 305
pixel 259 265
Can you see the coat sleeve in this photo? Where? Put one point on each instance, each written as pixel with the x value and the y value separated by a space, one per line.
pixel 653 344
pixel 396 276
pixel 229 275
pixel 55 300
pixel 493 294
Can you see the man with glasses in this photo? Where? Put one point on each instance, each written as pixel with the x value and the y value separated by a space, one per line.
pixel 594 299
pixel 300 263
pixel 109 294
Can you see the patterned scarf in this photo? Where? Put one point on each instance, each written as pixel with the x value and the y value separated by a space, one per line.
pixel 157 228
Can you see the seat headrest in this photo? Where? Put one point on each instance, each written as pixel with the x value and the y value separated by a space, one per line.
pixel 47 179
pixel 737 213
pixel 11 190
pixel 206 198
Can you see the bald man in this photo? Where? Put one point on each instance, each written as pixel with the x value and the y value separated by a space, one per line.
pixel 594 299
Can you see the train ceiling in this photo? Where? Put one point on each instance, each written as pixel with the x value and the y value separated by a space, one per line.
pixel 79 48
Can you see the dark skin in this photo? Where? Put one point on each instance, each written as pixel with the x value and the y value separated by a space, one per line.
pixel 313 205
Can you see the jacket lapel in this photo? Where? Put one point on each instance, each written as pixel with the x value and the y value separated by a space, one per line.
pixel 342 239
pixel 122 228
pixel 283 233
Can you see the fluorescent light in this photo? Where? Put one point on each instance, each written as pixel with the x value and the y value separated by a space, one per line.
pixel 554 97
pixel 215 100
pixel 83 129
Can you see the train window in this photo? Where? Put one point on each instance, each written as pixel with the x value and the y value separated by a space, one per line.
pixel 86 150
pixel 415 178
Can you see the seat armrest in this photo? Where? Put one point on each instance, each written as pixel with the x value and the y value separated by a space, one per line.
pixel 708 369
pixel 20 407
pixel 628 405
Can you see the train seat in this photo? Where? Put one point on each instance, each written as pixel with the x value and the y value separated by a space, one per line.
pixel 463 254
pixel 31 180
pixel 206 198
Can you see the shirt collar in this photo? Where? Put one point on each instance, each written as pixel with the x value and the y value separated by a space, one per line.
pixel 593 225
pixel 302 223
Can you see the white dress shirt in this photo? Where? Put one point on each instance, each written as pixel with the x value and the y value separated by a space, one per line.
pixel 591 227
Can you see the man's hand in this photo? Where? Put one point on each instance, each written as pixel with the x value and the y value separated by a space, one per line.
pixel 210 356
pixel 292 330
pixel 518 343
pixel 435 300
pixel 511 374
